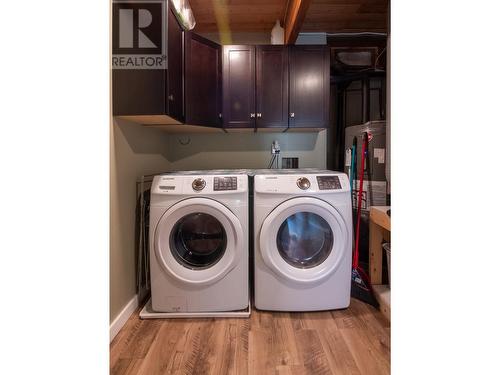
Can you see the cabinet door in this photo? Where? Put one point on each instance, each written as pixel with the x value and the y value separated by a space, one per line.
pixel 138 92
pixel 203 80
pixel 309 86
pixel 175 94
pixel 238 86
pixel 272 86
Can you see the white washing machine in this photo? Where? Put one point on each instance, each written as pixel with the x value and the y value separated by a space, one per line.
pixel 302 241
pixel 199 242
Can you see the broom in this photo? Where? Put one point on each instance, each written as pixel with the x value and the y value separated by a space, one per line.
pixel 352 168
pixel 360 283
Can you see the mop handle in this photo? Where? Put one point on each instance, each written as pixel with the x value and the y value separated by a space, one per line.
pixel 351 168
pixel 360 197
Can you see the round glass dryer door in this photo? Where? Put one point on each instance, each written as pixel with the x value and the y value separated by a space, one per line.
pixel 198 241
pixel 304 240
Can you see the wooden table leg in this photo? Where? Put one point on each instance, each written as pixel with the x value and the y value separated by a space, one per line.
pixel 376 236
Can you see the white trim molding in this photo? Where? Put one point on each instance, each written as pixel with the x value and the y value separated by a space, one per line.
pixel 122 317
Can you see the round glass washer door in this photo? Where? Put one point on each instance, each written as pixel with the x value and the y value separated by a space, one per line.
pixel 198 241
pixel 303 240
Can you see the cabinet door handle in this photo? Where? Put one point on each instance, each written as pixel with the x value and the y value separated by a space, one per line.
pixel 171 97
pixel 252 115
pixel 292 114
pixel 259 115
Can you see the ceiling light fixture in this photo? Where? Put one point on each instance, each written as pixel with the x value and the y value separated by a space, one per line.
pixel 183 13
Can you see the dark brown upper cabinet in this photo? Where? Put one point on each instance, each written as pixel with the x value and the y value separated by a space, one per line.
pixel 203 81
pixel 238 87
pixel 309 86
pixel 153 95
pixel 175 74
pixel 271 86
pixel 275 86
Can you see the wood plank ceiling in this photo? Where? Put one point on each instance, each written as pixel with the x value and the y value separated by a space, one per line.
pixel 346 16
pixel 241 15
pixel 261 15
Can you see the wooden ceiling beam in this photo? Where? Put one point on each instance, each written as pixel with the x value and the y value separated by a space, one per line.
pixel 295 13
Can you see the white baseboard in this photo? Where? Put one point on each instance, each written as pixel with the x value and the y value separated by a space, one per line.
pixel 122 317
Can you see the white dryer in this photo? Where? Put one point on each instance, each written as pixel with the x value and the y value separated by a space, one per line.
pixel 303 241
pixel 199 242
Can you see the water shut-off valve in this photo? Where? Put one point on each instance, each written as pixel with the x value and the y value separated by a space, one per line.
pixel 275 148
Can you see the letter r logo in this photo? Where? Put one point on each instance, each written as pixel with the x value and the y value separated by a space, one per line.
pixel 137 28
pixel 127 30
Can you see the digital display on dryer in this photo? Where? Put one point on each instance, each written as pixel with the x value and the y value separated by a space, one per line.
pixel 225 183
pixel 329 182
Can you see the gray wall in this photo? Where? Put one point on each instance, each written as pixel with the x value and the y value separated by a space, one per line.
pixel 134 151
pixel 311 38
pixel 244 150
pixel 239 38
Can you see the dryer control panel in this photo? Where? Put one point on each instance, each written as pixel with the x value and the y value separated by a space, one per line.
pixel 334 182
pixel 329 182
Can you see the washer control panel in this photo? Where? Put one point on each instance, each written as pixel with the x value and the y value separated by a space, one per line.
pixel 303 183
pixel 170 184
pixel 328 182
pixel 225 183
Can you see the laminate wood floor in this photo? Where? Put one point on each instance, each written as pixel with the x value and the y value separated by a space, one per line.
pixel 351 341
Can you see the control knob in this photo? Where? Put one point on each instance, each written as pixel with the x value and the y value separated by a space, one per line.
pixel 198 184
pixel 303 183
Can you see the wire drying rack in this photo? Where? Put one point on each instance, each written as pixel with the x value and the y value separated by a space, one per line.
pixel 143 193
